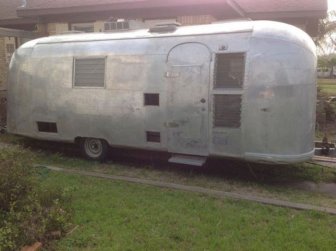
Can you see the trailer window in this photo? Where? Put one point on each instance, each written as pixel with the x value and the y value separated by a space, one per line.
pixel 153 137
pixel 152 99
pixel 47 127
pixel 229 70
pixel 227 110
pixel 89 72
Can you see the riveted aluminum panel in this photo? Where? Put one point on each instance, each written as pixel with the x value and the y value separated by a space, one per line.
pixel 278 93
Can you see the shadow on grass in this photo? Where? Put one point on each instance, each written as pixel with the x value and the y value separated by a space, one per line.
pixel 228 169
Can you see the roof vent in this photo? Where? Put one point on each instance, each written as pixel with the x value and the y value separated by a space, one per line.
pixel 164 27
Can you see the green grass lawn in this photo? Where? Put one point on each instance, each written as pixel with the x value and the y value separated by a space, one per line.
pixel 121 216
pixel 327 86
pixel 112 215
pixel 267 181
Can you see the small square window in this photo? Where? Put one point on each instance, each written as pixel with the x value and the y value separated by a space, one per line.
pixel 47 127
pixel 152 99
pixel 153 137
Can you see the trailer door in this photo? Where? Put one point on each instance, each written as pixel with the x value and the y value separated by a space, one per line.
pixel 188 94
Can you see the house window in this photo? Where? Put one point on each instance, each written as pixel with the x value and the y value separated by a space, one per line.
pixel 89 72
pixel 84 27
pixel 152 99
pixel 10 49
pixel 118 25
pixel 229 70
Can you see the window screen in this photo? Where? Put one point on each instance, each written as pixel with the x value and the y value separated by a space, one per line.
pixel 229 70
pixel 227 110
pixel 89 72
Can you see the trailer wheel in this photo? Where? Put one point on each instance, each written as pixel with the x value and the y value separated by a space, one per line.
pixel 94 149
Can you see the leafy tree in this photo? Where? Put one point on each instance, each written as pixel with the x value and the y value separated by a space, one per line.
pixel 326 38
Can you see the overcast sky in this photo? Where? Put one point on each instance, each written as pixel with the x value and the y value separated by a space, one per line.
pixel 332 4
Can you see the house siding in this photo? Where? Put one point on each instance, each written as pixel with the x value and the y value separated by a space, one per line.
pixel 3 65
pixel 193 20
pixel 3 81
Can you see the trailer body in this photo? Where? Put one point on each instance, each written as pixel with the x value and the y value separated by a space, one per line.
pixel 240 89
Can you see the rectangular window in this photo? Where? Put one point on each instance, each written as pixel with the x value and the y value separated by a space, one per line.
pixel 116 25
pixel 47 127
pixel 89 72
pixel 152 99
pixel 153 137
pixel 83 27
pixel 229 70
pixel 227 110
pixel 10 49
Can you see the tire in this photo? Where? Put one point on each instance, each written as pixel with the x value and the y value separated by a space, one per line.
pixel 94 149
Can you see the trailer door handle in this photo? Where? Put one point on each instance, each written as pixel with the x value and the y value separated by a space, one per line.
pixel 203 100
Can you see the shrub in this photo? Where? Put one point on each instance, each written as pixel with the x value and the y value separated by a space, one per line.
pixel 28 212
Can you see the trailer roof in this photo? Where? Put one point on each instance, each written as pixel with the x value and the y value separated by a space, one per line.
pixel 227 27
pixel 260 29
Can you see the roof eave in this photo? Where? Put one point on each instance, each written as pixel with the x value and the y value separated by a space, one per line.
pixel 186 6
pixel 137 6
pixel 288 14
pixel 18 21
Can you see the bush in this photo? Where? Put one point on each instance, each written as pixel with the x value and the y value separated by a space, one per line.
pixel 325 111
pixel 28 212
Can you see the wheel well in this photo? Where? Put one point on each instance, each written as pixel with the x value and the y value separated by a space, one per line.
pixel 78 140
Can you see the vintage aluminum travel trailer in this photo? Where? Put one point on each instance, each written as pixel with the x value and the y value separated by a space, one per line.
pixel 239 89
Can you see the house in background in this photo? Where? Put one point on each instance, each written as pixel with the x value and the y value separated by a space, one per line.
pixel 21 20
